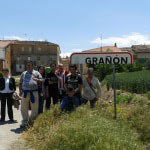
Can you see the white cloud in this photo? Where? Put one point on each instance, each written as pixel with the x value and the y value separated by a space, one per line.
pixel 125 40
pixel 64 54
pixel 15 38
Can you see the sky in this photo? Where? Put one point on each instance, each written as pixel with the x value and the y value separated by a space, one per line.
pixel 77 25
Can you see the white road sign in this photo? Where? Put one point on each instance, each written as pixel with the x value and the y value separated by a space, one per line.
pixel 102 58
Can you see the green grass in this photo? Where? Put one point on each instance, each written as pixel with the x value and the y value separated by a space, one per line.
pixel 136 82
pixel 83 129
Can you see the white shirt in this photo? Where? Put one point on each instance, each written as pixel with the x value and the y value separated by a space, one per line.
pixel 88 93
pixel 6 90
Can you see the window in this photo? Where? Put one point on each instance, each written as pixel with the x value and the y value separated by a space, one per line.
pixel 39 49
pixel 30 49
pixel 29 58
pixel 22 49
pixel 38 58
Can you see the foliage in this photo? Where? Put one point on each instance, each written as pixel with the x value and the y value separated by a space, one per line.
pixel 102 70
pixel 136 82
pixel 85 128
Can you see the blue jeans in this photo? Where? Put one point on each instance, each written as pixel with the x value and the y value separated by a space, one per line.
pixel 69 103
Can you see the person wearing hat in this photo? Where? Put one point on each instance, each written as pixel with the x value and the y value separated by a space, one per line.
pixel 91 88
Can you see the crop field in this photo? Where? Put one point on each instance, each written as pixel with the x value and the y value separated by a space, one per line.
pixel 135 82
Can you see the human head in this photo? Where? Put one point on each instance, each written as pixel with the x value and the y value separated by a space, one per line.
pixel 90 72
pixel 53 67
pixel 73 69
pixel 60 67
pixel 41 70
pixel 5 72
pixel 29 66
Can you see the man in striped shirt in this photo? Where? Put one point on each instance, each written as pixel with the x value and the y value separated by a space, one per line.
pixel 61 73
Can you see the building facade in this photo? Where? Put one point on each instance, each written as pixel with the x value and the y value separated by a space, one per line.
pixel 17 53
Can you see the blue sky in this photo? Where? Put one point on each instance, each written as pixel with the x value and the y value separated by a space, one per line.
pixel 77 24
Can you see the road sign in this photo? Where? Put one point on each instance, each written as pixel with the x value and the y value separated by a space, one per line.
pixel 113 58
pixel 101 58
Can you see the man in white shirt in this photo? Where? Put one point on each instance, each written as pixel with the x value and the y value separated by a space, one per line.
pixel 7 88
pixel 91 88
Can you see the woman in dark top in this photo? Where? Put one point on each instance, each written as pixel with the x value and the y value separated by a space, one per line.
pixel 41 89
pixel 7 88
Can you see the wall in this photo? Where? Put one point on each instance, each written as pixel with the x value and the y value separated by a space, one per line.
pixel 40 54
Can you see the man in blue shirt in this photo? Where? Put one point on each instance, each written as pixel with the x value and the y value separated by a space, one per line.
pixel 28 89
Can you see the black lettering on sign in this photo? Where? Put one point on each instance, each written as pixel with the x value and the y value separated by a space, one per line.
pixel 124 60
pixel 108 60
pixel 116 60
pixel 94 61
pixel 88 60
pixel 101 60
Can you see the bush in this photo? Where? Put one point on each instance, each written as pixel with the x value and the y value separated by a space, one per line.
pixel 136 82
pixel 83 129
pixel 103 70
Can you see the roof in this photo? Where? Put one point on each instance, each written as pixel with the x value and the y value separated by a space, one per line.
pixel 126 49
pixel 104 49
pixel 141 48
pixel 5 43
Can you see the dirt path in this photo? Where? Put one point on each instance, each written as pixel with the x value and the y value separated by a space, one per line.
pixel 10 132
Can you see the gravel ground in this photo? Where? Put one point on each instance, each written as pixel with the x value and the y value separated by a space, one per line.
pixel 10 133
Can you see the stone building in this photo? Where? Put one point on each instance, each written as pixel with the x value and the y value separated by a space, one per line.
pixel 17 53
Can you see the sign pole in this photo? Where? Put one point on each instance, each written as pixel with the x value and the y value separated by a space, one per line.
pixel 114 88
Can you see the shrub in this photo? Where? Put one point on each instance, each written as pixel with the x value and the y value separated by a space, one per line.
pixel 136 82
pixel 84 129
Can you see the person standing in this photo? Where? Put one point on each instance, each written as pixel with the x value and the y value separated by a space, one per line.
pixel 73 79
pixel 51 84
pixel 7 88
pixel 61 73
pixel 28 89
pixel 41 89
pixel 91 88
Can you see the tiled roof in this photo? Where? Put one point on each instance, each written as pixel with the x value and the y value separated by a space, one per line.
pixel 5 43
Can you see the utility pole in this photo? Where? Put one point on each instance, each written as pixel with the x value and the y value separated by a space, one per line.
pixel 101 43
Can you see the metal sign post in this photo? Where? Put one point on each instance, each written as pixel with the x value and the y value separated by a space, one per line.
pixel 114 88
pixel 104 58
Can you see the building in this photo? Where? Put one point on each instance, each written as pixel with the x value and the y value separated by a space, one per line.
pixel 83 68
pixel 141 53
pixel 104 49
pixel 17 53
pixel 65 62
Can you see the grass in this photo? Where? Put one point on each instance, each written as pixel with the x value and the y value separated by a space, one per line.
pixel 84 129
pixel 136 82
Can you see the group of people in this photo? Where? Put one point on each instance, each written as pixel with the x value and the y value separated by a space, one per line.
pixel 53 84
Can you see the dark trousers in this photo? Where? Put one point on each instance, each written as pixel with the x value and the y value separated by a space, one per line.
pixel 92 102
pixel 48 100
pixel 6 97
pixel 41 102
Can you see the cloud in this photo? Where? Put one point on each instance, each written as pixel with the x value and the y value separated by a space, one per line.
pixel 15 38
pixel 68 53
pixel 125 40
pixel 21 38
